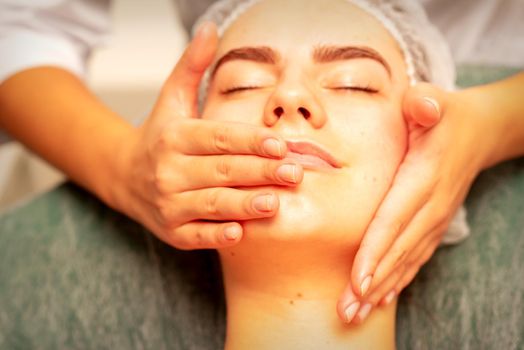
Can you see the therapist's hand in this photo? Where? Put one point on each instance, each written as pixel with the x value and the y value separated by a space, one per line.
pixel 179 171
pixel 450 140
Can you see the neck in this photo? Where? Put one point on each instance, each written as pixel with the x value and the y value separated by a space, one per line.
pixel 278 302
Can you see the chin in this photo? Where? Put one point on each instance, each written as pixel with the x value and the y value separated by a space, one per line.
pixel 308 215
pixel 297 219
pixel 325 209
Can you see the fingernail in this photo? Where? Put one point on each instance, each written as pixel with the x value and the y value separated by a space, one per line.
pixel 389 297
pixel 364 312
pixel 433 103
pixel 272 147
pixel 351 310
pixel 204 27
pixel 287 173
pixel 364 286
pixel 264 203
pixel 232 232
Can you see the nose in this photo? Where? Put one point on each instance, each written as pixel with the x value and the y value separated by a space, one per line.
pixel 294 102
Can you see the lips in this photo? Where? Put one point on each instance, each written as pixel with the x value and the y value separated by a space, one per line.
pixel 311 156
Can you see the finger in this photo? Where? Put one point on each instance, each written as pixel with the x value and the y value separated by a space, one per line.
pixel 362 313
pixel 385 295
pixel 385 269
pixel 180 91
pixel 213 137
pixel 419 232
pixel 224 171
pixel 347 305
pixel 412 191
pixel 423 104
pixel 412 272
pixel 388 284
pixel 387 279
pixel 234 171
pixel 222 204
pixel 376 295
pixel 205 235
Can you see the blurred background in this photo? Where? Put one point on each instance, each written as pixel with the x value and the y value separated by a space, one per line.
pixel 118 75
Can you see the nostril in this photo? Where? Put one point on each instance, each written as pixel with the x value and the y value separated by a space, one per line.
pixel 305 113
pixel 278 111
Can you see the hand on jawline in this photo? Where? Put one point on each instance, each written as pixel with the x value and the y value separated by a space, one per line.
pixel 377 274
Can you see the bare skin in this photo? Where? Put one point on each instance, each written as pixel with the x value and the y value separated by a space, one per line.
pixel 426 139
pixel 47 108
pixel 173 173
pixel 283 279
pixel 471 130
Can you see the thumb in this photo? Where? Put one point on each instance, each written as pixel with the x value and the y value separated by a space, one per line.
pixel 180 90
pixel 423 105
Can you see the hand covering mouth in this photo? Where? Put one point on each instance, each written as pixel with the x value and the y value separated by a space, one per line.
pixel 311 156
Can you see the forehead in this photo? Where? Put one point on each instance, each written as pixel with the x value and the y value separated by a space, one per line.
pixel 295 26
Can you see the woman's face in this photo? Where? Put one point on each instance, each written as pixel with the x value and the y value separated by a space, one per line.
pixel 323 73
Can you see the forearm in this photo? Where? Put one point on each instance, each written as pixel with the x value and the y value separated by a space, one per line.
pixel 502 103
pixel 55 115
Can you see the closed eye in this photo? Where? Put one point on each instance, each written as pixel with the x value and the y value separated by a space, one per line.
pixel 365 89
pixel 237 89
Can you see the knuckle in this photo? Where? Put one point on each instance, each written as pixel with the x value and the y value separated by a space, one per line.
pixel 181 240
pixel 268 170
pixel 441 217
pixel 382 223
pixel 399 255
pixel 374 299
pixel 426 256
pixel 165 212
pixel 165 139
pixel 222 138
pixel 412 258
pixel 254 145
pixel 396 226
pixel 248 206
pixel 399 259
pixel 198 239
pixel 211 201
pixel 224 171
pixel 161 180
pixel 386 226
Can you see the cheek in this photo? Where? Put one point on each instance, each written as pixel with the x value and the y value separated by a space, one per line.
pixel 336 209
pixel 242 110
pixel 372 134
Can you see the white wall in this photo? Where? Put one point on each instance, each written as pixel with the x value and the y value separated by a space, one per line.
pixel 145 43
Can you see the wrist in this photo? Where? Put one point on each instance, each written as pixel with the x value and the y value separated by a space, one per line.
pixel 113 188
pixel 490 126
pixel 499 107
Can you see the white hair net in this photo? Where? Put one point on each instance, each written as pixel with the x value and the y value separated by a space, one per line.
pixel 426 53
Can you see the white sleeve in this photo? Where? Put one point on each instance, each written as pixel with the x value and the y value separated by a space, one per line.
pixel 50 32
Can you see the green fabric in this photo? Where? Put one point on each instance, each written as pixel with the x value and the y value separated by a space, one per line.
pixel 76 275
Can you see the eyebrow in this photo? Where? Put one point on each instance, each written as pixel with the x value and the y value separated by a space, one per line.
pixel 327 54
pixel 321 54
pixel 261 54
